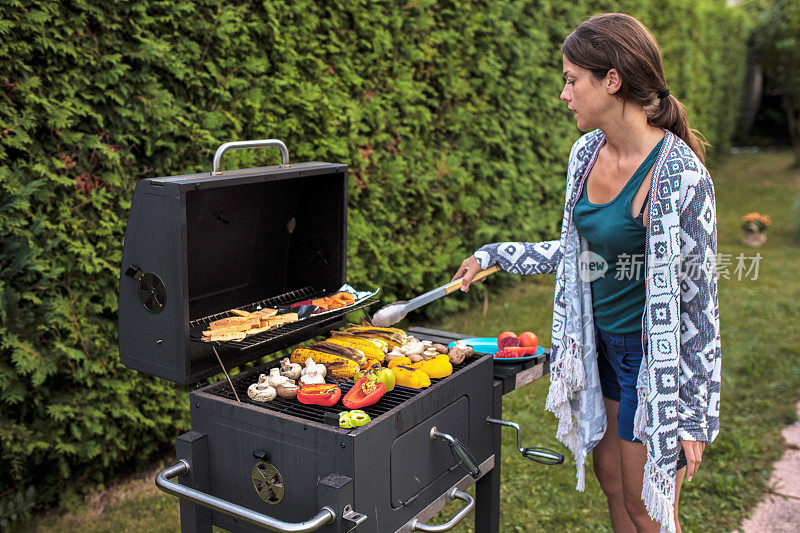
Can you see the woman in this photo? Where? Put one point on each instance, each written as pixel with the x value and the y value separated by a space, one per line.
pixel 635 370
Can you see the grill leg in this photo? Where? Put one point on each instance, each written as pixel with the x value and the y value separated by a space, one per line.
pixel 487 489
pixel 193 446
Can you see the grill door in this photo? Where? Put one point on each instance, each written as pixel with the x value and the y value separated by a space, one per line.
pixel 417 461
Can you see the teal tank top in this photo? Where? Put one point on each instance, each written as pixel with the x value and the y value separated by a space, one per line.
pixel 619 239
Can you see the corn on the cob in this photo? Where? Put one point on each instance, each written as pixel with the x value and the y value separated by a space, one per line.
pixel 338 366
pixel 392 338
pixel 343 351
pixel 371 350
pixel 374 328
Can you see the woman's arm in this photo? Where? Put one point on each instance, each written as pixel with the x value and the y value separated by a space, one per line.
pixel 514 257
pixel 521 257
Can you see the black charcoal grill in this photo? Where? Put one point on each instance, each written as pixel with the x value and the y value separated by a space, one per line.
pixel 201 245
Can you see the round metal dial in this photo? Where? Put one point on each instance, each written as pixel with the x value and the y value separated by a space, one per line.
pixel 152 292
pixel 267 482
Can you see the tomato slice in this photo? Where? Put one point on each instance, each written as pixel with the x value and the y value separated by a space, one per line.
pixel 516 351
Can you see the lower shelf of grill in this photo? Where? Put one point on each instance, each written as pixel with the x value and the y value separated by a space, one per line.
pixel 316 413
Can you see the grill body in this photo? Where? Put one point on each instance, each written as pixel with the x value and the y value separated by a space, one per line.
pixel 198 246
pixel 393 466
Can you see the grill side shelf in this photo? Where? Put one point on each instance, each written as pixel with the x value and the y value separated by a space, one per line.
pixel 196 327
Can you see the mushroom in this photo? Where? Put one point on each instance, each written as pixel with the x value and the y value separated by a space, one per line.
pixel 261 391
pixel 414 348
pixel 416 358
pixel 440 348
pixel 313 367
pixel 312 373
pixel 394 354
pixel 274 379
pixel 290 370
pixel 310 378
pixel 429 353
pixel 288 389
pixel 462 344
pixel 457 353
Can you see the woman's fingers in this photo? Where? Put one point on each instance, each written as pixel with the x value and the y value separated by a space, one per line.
pixel 694 455
pixel 472 269
pixel 462 269
pixel 469 267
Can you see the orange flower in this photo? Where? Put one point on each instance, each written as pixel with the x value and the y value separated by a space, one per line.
pixel 755 222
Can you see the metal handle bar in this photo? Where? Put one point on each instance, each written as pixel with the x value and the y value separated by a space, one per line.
pixel 463 456
pixel 326 515
pixel 540 455
pixel 454 494
pixel 238 145
pixel 543 456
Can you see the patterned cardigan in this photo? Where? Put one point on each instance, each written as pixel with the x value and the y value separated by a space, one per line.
pixel 679 380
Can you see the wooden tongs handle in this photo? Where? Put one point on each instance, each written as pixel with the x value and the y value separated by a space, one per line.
pixel 456 283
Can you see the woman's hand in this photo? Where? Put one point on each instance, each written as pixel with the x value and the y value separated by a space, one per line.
pixel 693 449
pixel 467 270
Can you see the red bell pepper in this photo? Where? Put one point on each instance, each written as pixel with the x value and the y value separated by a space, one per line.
pixel 364 392
pixel 324 394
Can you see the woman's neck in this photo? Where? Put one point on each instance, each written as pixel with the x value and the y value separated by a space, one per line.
pixel 629 135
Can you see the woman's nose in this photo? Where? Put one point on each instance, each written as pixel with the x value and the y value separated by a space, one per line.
pixel 564 94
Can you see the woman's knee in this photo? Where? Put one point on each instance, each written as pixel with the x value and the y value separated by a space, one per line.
pixel 609 477
pixel 637 511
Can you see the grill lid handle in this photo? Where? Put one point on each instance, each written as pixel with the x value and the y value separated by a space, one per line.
pixel 325 516
pixel 238 145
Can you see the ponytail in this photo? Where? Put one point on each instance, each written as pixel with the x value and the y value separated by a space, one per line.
pixel 670 114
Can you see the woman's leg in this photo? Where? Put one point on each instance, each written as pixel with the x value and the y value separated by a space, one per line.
pixel 634 456
pixel 607 467
pixel 678 482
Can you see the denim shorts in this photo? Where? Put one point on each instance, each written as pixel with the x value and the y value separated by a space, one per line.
pixel 618 359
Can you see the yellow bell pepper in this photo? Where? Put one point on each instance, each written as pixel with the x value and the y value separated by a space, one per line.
pixel 437 367
pixel 410 377
pixel 399 361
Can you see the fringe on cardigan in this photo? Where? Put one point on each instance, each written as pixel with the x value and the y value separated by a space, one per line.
pixel 658 495
pixel 658 489
pixel 640 418
pixel 567 376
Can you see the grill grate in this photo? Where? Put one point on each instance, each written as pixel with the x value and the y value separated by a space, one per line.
pixel 197 326
pixel 316 413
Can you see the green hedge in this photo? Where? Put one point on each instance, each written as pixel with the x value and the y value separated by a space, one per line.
pixel 448 115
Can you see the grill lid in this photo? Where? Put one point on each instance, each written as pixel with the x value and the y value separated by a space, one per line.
pixel 203 244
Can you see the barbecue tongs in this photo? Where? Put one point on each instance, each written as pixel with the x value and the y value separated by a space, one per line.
pixel 397 311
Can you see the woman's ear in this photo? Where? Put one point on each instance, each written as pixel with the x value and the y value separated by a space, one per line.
pixel 612 82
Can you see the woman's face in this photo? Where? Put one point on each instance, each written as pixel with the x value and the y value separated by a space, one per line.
pixel 591 99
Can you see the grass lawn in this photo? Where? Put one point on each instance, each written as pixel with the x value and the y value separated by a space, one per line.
pixel 761 384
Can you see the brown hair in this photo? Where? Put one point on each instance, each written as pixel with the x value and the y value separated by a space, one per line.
pixel 619 41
